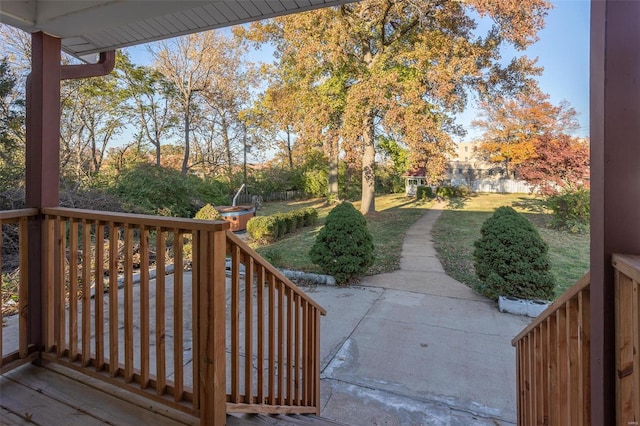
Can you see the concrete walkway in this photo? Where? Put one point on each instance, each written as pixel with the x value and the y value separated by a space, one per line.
pixel 416 347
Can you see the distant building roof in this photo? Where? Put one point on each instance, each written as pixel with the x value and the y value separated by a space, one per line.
pixel 419 172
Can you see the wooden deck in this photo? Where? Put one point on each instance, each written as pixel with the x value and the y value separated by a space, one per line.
pixel 56 395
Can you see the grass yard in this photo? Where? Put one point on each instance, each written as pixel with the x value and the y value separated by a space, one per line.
pixel 395 214
pixel 459 226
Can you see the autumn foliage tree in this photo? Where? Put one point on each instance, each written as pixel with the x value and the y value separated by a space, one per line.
pixel 512 125
pixel 558 163
pixel 398 67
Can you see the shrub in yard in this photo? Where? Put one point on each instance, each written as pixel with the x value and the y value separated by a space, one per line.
pixel 208 212
pixel 424 193
pixel 310 216
pixel 263 228
pixel 571 210
pixel 343 247
pixel 298 218
pixel 511 258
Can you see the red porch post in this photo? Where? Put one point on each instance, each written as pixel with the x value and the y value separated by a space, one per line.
pixel 615 179
pixel 42 162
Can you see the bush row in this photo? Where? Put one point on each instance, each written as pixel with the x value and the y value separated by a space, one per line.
pixel 272 227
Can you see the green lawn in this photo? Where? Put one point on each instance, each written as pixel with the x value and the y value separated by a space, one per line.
pixel 394 215
pixel 459 226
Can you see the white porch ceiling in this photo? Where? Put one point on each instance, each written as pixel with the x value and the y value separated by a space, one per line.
pixel 91 26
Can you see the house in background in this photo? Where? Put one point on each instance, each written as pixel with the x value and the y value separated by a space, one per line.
pixel 414 179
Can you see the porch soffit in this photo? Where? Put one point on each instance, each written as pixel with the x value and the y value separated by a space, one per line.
pixel 91 26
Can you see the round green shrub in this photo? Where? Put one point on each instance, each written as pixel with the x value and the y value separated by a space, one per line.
pixel 343 247
pixel 208 212
pixel 511 258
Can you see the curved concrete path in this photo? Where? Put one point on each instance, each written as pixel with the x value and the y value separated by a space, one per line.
pixel 416 347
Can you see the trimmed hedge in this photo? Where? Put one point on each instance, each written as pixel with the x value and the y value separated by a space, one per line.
pixel 511 259
pixel 270 228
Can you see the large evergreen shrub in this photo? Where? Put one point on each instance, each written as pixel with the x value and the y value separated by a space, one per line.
pixel 343 247
pixel 511 258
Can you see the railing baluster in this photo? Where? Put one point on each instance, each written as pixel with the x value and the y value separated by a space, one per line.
pixel 99 296
pixel 161 373
pixel 248 330
pixel 305 353
pixel 48 284
pixel 281 333
pixel 144 307
pixel 272 340
pixel 260 331
pixel 86 293
pixel 196 277
pixel 584 300
pixel 60 285
pixel 113 299
pixel 290 362
pixel 128 303
pixel 178 340
pixel 298 345
pixel 23 291
pixel 73 290
pixel 235 326
pixel 316 359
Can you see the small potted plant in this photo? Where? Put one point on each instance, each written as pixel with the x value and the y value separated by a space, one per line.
pixel 512 261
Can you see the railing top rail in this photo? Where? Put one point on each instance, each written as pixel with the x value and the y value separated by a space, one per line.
pixel 245 247
pixel 627 264
pixel 17 214
pixel 580 285
pixel 139 219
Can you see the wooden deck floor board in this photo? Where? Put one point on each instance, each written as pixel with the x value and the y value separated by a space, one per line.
pixel 7 418
pixel 52 398
pixel 39 408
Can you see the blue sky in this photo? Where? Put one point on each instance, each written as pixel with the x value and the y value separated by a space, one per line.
pixel 562 49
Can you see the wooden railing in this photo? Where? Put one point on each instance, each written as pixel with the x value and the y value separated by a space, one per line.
pixel 627 300
pixel 274 338
pixel 16 345
pixel 552 362
pixel 195 340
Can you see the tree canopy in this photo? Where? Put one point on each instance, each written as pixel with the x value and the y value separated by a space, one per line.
pixel 398 67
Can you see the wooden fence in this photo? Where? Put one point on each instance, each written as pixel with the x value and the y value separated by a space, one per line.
pixel 273 196
pixel 198 340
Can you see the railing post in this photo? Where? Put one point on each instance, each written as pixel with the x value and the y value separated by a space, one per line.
pixel 210 255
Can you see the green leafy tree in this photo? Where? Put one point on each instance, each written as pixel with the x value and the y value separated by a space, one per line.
pixel 153 109
pixel 344 246
pixel 397 67
pixel 511 259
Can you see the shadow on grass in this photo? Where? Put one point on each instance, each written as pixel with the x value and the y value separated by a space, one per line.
pixel 533 205
pixel 457 203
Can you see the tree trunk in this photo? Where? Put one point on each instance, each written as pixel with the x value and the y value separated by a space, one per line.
pixel 187 128
pixel 289 149
pixel 368 166
pixel 333 169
